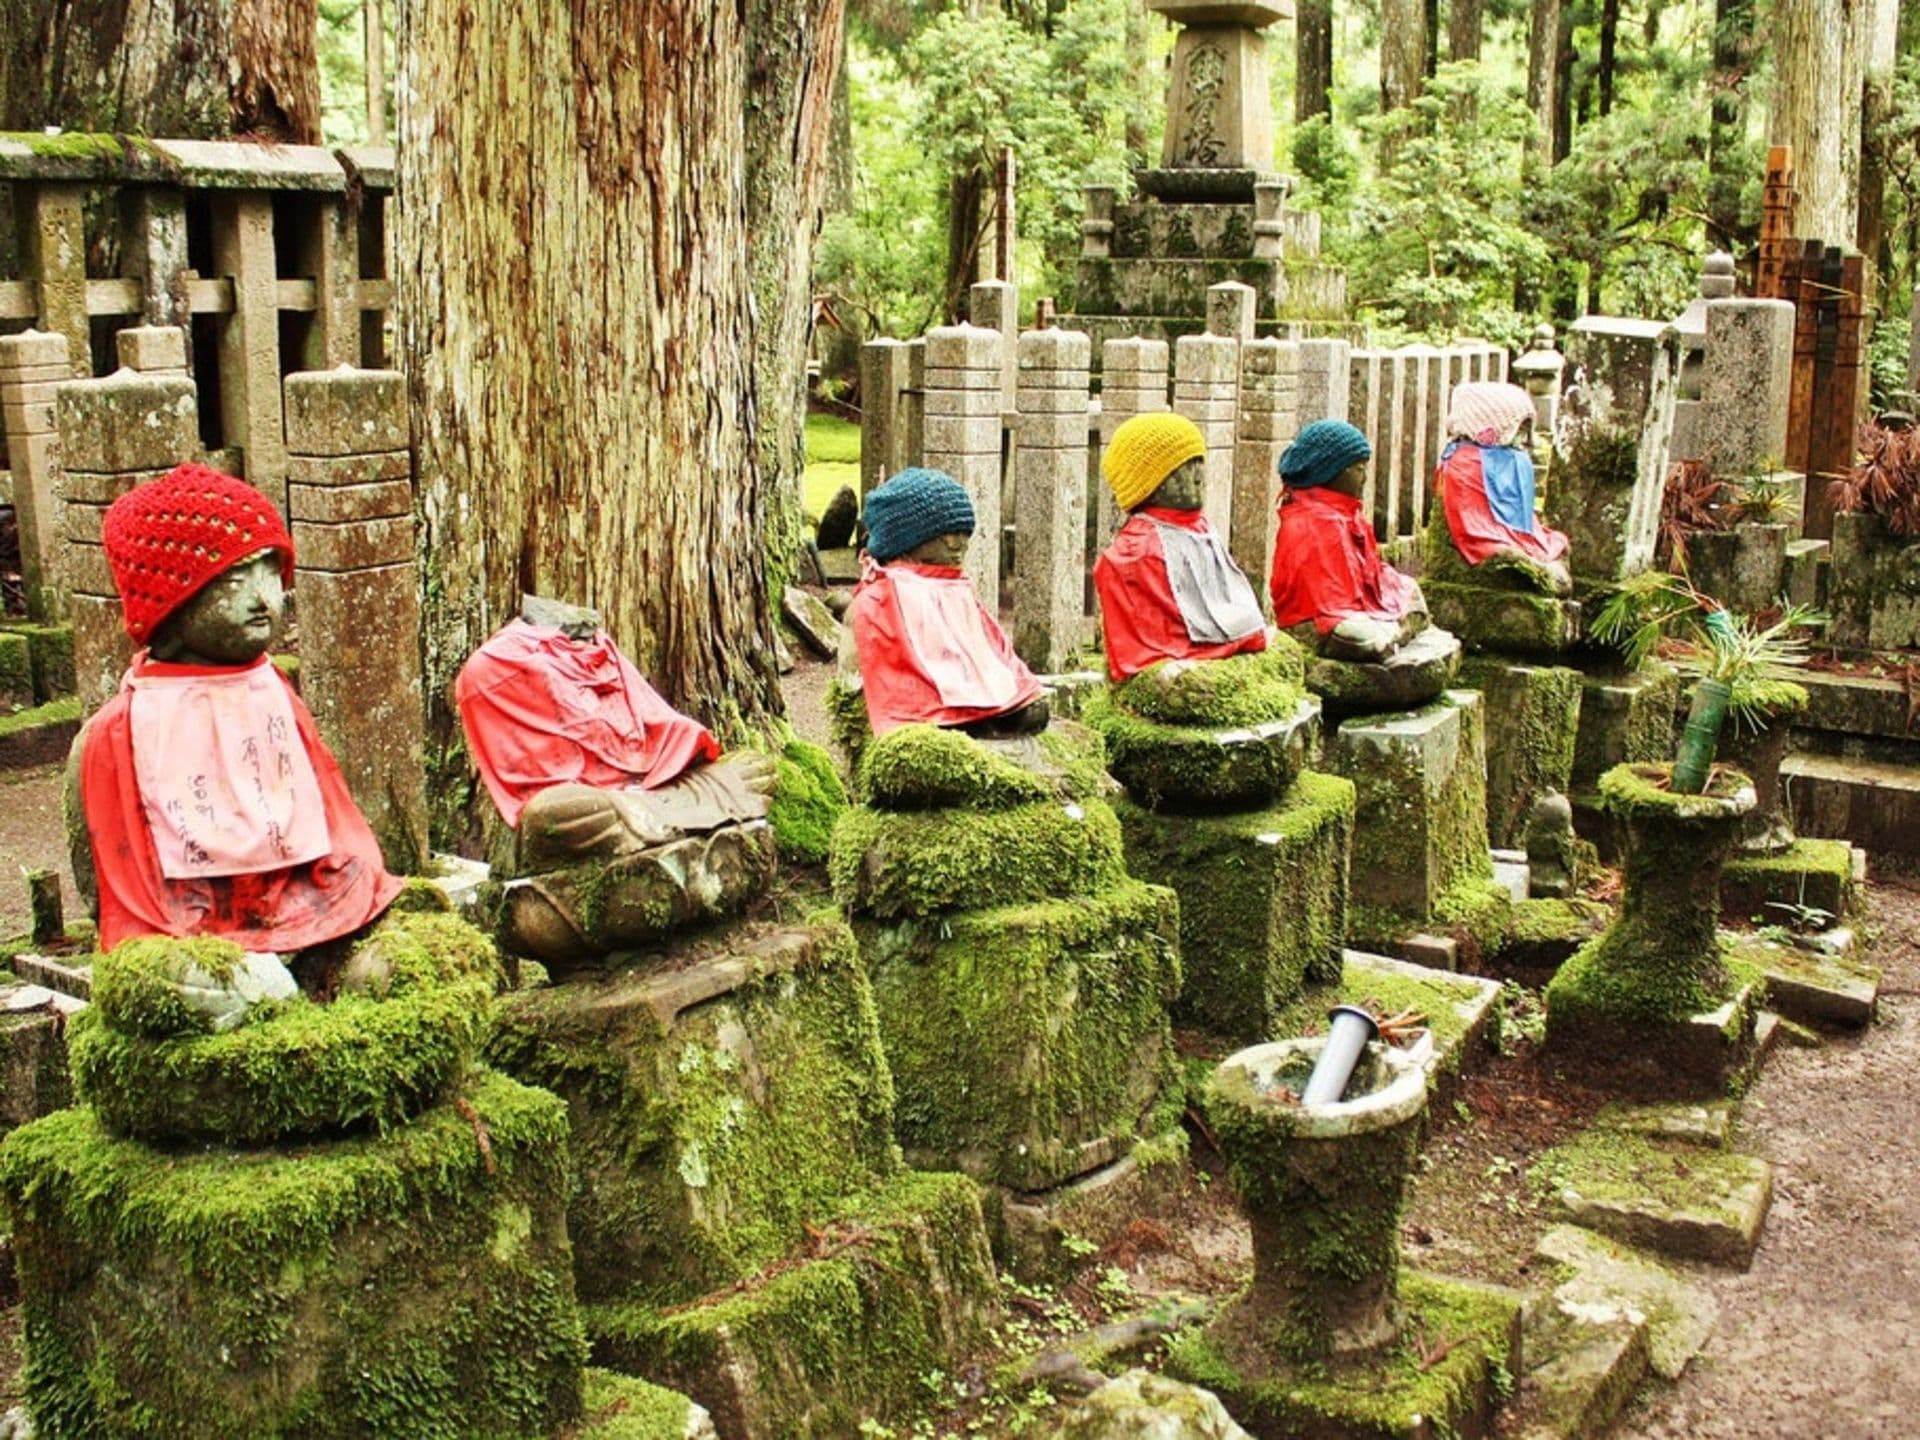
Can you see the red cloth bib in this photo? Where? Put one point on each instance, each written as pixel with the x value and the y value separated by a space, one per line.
pixel 280 910
pixel 1476 531
pixel 1139 610
pixel 929 651
pixel 1327 565
pixel 540 709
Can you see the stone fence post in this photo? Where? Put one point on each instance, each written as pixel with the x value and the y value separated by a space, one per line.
pixel 1421 423
pixel 884 378
pixel 1269 380
pixel 1133 381
pixel 962 437
pixel 350 492
pixel 1049 553
pixel 31 364
pixel 1324 380
pixel 1206 378
pixel 1746 387
pixel 114 433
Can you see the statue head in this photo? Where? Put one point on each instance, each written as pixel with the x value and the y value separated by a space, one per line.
pixel 920 515
pixel 576 622
pixel 1159 460
pixel 1330 454
pixel 202 562
pixel 1490 412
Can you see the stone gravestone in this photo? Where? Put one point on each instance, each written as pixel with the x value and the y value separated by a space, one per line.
pixel 1219 115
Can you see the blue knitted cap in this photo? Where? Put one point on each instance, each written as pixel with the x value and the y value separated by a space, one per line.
pixel 1320 452
pixel 912 508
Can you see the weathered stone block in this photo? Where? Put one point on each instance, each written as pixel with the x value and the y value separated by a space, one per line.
pixel 88 571
pixel 1817 873
pixel 86 487
pixel 16 673
pixel 346 411
pixel 1263 900
pixel 152 347
pixel 719 1104
pixel 32 349
pixel 364 469
pixel 1746 386
pixel 128 421
pixel 1681 1313
pixel 101 649
pixel 1624 719
pixel 1504 622
pixel 1533 720
pixel 1413 675
pixel 412 1283
pixel 1679 1201
pixel 964 347
pixel 1028 1044
pixel 1745 568
pixel 34 1080
pixel 963 434
pixel 1873 585
pixel 50 651
pixel 1195 768
pixel 349 504
pixel 363 546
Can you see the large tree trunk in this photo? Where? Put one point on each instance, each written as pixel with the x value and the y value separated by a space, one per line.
pixel 198 69
pixel 1609 52
pixel 1465 21
pixel 1732 60
pixel 1818 76
pixel 1543 38
pixel 577 307
pixel 1882 42
pixel 1563 58
pixel 1403 52
pixel 1313 60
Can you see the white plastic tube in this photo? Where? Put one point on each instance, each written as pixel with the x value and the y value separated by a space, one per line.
pixel 1352 1028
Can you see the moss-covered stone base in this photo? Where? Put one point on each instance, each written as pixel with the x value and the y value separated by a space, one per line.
pixel 34 1080
pixel 1391 1398
pixel 1029 1044
pixel 1533 717
pixel 1263 900
pixel 1663 1195
pixel 1543 934
pixel 1206 768
pixel 619 1407
pixel 1814 873
pixel 1044 1236
pixel 719 1104
pixel 1506 622
pixel 901 1285
pixel 1625 719
pixel 1695 1056
pixel 417 1284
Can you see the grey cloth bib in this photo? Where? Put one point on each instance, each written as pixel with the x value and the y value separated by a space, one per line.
pixel 1215 600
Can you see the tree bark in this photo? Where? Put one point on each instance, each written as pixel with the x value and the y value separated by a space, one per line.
pixel 195 69
pixel 1609 51
pixel 1543 38
pixel 1403 52
pixel 1732 60
pixel 1465 21
pixel 1818 79
pixel 1882 41
pixel 1313 60
pixel 577 316
pixel 1563 83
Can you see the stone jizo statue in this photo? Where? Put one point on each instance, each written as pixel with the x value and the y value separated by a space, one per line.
pixel 1331 589
pixel 1168 588
pixel 929 651
pixel 1486 486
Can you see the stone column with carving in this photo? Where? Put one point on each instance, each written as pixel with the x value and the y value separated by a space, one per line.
pixel 350 495
pixel 1133 381
pixel 1219 114
pixel 114 433
pixel 31 364
pixel 1049 553
pixel 1611 472
pixel 1324 380
pixel 1206 381
pixel 1269 380
pixel 962 436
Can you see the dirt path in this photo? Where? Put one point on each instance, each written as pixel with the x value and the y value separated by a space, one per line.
pixel 1822 1336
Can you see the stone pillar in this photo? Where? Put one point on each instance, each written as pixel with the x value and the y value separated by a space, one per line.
pixel 1612 473
pixel 1365 378
pixel 53 244
pixel 1392 482
pixel 1096 231
pixel 1050 557
pixel 1539 371
pixel 1219 114
pixel 995 305
pixel 350 494
pixel 963 437
pixel 1231 310
pixel 330 253
pixel 914 452
pixel 1422 420
pixel 114 433
pixel 883 419
pixel 1133 381
pixel 1269 380
pixel 243 253
pixel 154 244
pixel 1746 388
pixel 1324 380
pixel 1269 219
pixel 1206 375
pixel 31 364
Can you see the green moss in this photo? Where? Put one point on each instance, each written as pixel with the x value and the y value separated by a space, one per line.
pixel 1263 899
pixel 1808 872
pixel 898 863
pixel 1477 913
pixel 847 719
pixel 1646 1171
pixel 1631 791
pixel 619 1407
pixel 1179 767
pixel 1438 998
pixel 906 1289
pixel 412 1284
pixel 929 767
pixel 1398 1395
pixel 1761 695
pixel 54 712
pixel 1020 1036
pixel 1533 723
pixel 136 985
pixel 1237 690
pixel 807 801
pixel 50 649
pixel 16 669
pixel 297 1068
pixel 718 1107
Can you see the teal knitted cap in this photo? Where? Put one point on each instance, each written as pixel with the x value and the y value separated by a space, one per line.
pixel 912 508
pixel 1320 452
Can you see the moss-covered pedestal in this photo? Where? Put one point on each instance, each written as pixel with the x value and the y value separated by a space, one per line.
pixel 1022 979
pixel 1654 1000
pixel 1320 1343
pixel 1413 675
pixel 1533 721
pixel 1494 608
pixel 1220 808
pixel 1626 718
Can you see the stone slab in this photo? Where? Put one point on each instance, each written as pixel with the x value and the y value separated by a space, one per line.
pixel 34 1079
pixel 1814 989
pixel 346 412
pixel 1817 874
pixel 1037 1228
pixel 1680 1313
pixel 1584 1362
pixel 1680 1202
pixel 1413 675
pixel 1504 622
pixel 1707 1123
pixel 1873 803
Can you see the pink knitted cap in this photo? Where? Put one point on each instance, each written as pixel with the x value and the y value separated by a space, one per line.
pixel 1488 412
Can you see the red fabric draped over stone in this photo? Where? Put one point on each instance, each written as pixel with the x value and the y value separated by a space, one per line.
pixel 915 657
pixel 1138 609
pixel 1477 532
pixel 1327 565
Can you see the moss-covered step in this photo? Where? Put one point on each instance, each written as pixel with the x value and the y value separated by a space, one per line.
pixel 1533 719
pixel 1592 1273
pixel 1043 1235
pixel 39 736
pixel 720 1103
pixel 1707 1123
pixel 417 1283
pixel 1263 899
pixel 49 657
pixel 34 1079
pixel 1584 1363
pixel 1504 622
pixel 1420 817
pixel 619 1407
pixel 1029 1043
pixel 1818 874
pixel 1669 1197
pixel 1206 768
pixel 899 1285
pixel 1542 934
pixel 1815 989
pixel 1401 1393
pixel 1413 675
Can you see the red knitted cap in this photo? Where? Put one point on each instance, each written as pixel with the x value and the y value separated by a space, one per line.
pixel 167 539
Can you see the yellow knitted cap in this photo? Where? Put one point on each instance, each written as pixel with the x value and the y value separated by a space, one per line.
pixel 1145 450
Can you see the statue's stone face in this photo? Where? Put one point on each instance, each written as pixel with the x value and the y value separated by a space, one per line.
pixel 1184 489
pixel 941 550
pixel 232 621
pixel 1352 480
